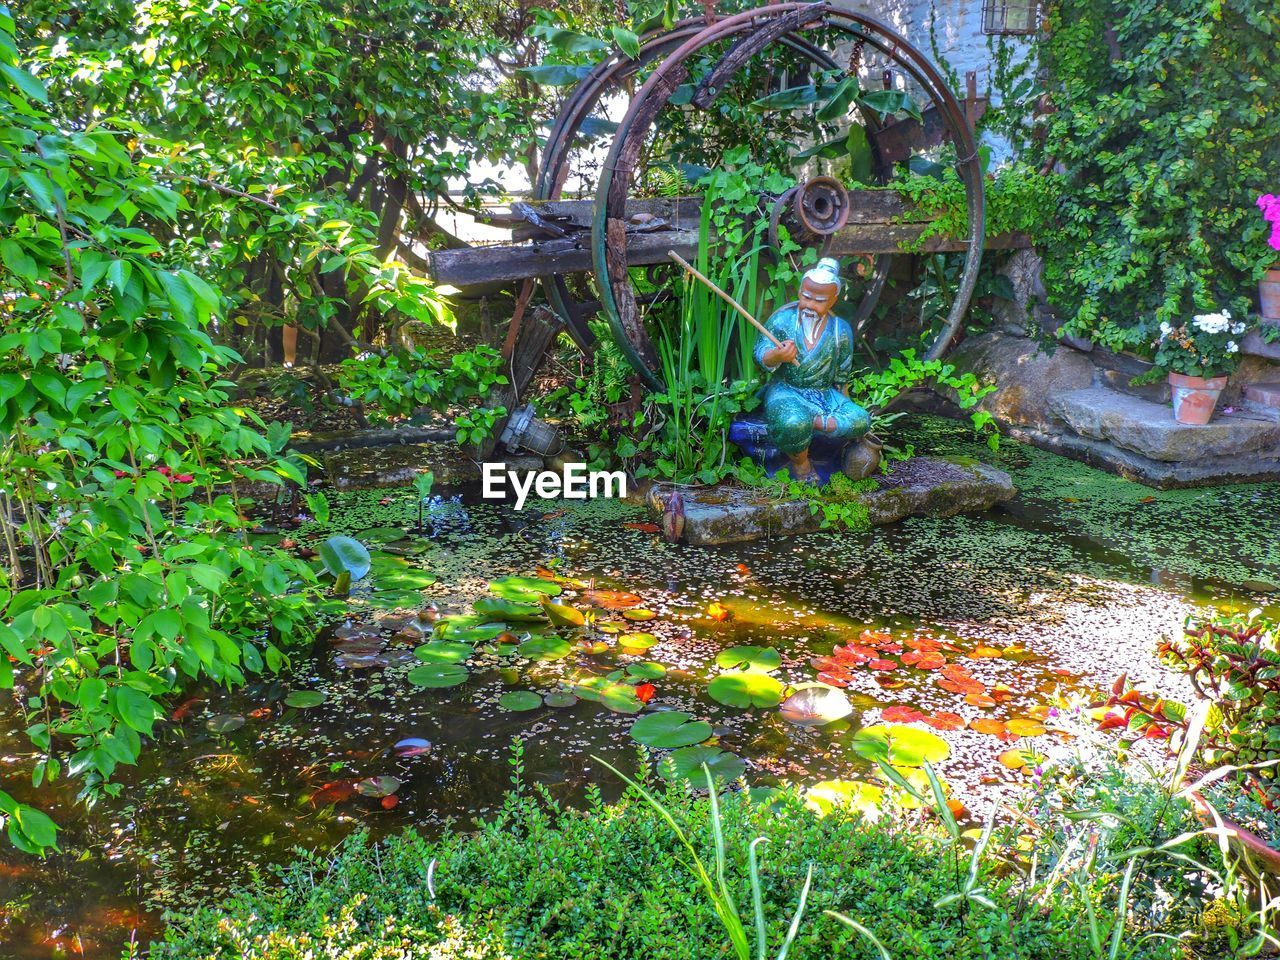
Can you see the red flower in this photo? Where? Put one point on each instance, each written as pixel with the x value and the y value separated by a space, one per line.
pixel 646 692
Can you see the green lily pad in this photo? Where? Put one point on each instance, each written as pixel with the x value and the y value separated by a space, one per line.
pixel 438 675
pixel 899 744
pixel 524 589
pixel 686 763
pixel 468 629
pixel 830 795
pixel 443 651
pixel 546 648
pixel 638 615
pixel 381 534
pixel 378 786
pixel 345 555
pixel 559 698
pixel 496 608
pixel 618 697
pixel 746 688
pixel 224 723
pixel 637 641
pixel 302 699
pixel 646 670
pixel 670 728
pixel 750 658
pixel 520 700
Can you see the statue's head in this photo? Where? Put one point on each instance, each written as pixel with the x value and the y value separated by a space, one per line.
pixel 819 289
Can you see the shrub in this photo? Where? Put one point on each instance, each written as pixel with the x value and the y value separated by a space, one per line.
pixel 613 881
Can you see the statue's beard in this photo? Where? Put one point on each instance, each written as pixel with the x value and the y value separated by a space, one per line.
pixel 809 316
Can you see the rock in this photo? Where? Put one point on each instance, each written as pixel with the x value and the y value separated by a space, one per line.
pixel 1254 344
pixel 1023 270
pixel 1025 376
pixel 921 486
pixel 1149 429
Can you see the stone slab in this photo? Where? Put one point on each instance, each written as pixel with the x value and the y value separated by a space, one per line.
pixel 1148 429
pixel 1254 345
pixel 1263 398
pixel 921 486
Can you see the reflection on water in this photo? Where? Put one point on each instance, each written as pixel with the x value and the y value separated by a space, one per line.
pixel 1074 581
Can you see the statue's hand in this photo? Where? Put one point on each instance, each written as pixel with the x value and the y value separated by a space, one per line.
pixel 786 353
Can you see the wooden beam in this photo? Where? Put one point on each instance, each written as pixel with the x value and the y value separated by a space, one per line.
pixel 509 262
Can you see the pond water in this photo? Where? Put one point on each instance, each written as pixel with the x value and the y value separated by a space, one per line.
pixel 1060 591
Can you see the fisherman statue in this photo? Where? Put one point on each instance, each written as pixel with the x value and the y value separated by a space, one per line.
pixel 809 359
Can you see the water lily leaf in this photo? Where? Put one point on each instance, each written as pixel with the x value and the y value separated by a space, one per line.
pixel 345 555
pixel 900 745
pixel 646 670
pixel 637 641
pixel 468 629
pixel 816 705
pixel 686 763
pixel 434 675
pixel 520 700
pixel 593 646
pixel 302 699
pixel 751 658
pixel 746 688
pixel 524 589
pixel 546 648
pixel 831 795
pixel 1025 727
pixel 444 651
pixel 224 723
pixel 638 616
pixel 563 615
pixel 670 728
pixel 412 747
pixel 498 608
pixel 618 697
pixel 381 534
pixel 559 698
pixel 378 786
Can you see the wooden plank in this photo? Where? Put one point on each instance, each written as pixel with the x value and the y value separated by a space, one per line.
pixel 507 262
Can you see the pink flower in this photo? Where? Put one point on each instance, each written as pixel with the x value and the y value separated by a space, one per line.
pixel 183 477
pixel 1270 207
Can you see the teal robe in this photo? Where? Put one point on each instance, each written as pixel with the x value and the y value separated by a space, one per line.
pixel 797 392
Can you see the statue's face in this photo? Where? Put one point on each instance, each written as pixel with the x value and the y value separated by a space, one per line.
pixel 816 298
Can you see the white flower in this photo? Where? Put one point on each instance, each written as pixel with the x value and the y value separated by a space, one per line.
pixel 1212 323
pixel 1237 328
pixel 1227 314
pixel 1232 347
pixel 1165 329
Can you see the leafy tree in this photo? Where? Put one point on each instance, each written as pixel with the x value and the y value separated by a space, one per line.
pixel 126 570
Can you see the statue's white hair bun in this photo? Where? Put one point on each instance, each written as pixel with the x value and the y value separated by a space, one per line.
pixel 826 270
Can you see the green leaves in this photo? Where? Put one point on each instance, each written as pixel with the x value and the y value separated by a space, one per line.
pixel 26 84
pixel 345 555
pixel 747 657
pixel 438 675
pixel 135 708
pixel 746 688
pixel 627 41
pixel 900 744
pixel 670 728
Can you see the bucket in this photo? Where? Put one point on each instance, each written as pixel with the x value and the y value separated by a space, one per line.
pixel 1194 398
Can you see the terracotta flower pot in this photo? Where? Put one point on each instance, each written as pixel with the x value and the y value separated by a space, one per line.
pixel 1269 294
pixel 1194 398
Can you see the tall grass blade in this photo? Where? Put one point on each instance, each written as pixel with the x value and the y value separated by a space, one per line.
pixel 855 925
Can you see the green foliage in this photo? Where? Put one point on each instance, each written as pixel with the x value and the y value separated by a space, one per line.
pixel 1165 122
pixel 127 568
pixel 1234 662
pixel 1207 346
pixel 618 882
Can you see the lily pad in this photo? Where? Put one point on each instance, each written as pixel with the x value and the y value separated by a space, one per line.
pixel 637 641
pixel 830 795
pixel 639 615
pixel 670 728
pixel 382 534
pixel 302 699
pixel 434 675
pixel 563 615
pixel 749 658
pixel 496 608
pixel 746 688
pixel 686 763
pixel 444 651
pixel 900 745
pixel 468 629
pixel 559 698
pixel 646 670
pixel 345 555
pixel 520 700
pixel 378 786
pixel 524 589
pixel 612 599
pixel 546 648
pixel 224 723
pixel 618 697
pixel 815 706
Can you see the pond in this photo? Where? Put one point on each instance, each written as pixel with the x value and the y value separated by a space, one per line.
pixel 1059 592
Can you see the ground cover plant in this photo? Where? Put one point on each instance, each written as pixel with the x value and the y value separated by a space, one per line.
pixel 623 888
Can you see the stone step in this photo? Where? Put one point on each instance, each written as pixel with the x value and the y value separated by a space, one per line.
pixel 1149 429
pixel 1263 398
